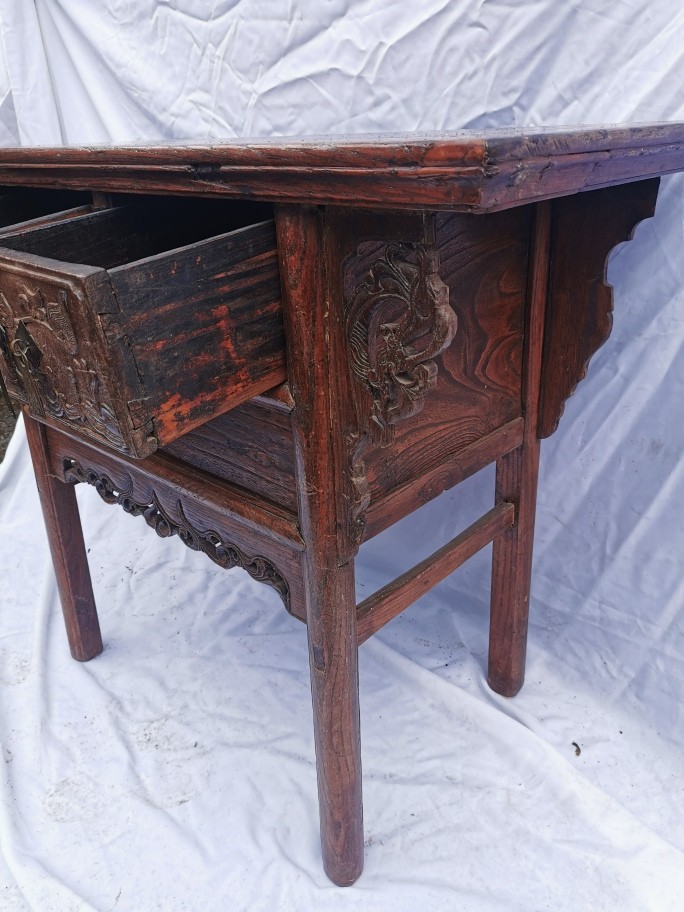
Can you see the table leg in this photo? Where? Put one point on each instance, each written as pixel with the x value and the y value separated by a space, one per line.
pixel 333 659
pixel 65 537
pixel 312 310
pixel 516 482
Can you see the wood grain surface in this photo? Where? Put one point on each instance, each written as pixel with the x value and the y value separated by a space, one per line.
pixel 65 537
pixel 423 308
pixel 579 311
pixel 138 323
pixel 252 446
pixel 309 251
pixel 468 419
pixel 516 482
pixel 462 171
pixel 483 261
pixel 192 500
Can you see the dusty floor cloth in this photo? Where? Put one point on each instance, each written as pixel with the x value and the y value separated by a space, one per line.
pixel 175 772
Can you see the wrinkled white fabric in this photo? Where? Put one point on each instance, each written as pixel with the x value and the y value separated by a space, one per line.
pixel 176 771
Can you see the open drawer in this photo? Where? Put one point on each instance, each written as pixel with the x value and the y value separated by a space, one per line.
pixel 19 205
pixel 132 325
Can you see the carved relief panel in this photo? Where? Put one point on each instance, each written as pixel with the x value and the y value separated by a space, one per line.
pixel 49 354
pixel 434 330
pixel 398 319
pixel 172 521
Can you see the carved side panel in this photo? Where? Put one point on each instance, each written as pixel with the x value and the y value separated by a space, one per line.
pixel 579 315
pixel 46 357
pixel 398 320
pixel 157 517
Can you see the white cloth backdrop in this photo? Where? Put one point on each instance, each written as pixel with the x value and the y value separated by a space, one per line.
pixel 175 772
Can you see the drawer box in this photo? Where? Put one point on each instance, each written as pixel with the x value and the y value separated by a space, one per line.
pixel 132 325
pixel 22 204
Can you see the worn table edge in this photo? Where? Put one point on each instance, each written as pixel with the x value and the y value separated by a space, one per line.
pixel 474 171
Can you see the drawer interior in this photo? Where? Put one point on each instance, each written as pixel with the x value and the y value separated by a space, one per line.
pixel 125 234
pixel 20 205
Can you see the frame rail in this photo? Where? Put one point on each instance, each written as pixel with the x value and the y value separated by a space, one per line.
pixel 385 604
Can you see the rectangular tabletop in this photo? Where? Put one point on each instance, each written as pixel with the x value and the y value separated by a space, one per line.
pixel 463 171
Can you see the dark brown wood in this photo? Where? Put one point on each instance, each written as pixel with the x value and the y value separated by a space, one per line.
pixel 251 446
pixel 123 234
pixel 22 205
pixel 306 387
pixel 204 325
pixel 516 482
pixel 398 319
pixel 462 171
pixel 231 526
pixel 476 389
pixel 166 523
pixel 313 309
pixel 138 354
pixel 579 314
pixel 385 604
pixel 237 505
pixel 451 469
pixel 51 218
pixel 65 537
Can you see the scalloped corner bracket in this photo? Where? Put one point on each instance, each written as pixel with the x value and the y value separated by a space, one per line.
pixel 209 542
pixel 579 312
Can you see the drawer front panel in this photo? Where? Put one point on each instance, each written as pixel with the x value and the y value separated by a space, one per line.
pixel 134 354
pixel 50 353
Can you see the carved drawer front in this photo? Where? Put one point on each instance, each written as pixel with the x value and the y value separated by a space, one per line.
pixel 134 324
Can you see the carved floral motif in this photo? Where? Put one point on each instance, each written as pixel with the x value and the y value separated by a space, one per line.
pixel 211 543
